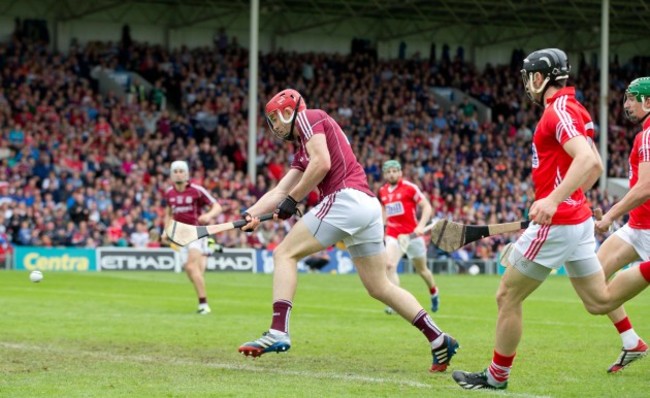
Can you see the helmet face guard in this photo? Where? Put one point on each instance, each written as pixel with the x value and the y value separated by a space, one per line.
pixel 638 90
pixel 392 171
pixel 178 178
pixel 287 135
pixel 551 63
pixel 281 126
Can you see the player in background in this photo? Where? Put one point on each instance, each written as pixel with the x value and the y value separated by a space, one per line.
pixel 631 242
pixel 565 162
pixel 347 211
pixel 185 202
pixel 400 199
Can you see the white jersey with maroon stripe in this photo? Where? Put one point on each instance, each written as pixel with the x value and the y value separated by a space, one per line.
pixel 188 205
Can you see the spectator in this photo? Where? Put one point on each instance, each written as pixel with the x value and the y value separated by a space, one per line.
pixel 78 210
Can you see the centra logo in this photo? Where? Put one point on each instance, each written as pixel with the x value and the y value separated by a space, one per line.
pixel 33 261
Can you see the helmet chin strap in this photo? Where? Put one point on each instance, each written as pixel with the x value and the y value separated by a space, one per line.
pixel 646 110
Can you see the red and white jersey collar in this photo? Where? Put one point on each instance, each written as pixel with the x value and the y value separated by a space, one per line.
pixel 571 91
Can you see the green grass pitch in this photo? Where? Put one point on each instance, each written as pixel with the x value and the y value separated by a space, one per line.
pixel 135 334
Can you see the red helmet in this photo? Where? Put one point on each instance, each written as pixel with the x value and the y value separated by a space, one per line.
pixel 275 108
pixel 287 98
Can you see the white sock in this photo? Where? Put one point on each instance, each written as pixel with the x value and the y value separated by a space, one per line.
pixel 438 341
pixel 630 339
pixel 492 380
pixel 274 331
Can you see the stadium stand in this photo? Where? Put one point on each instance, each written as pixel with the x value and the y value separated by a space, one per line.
pixel 81 168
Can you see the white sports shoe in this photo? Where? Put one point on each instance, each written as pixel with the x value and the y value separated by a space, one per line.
pixel 626 357
pixel 204 309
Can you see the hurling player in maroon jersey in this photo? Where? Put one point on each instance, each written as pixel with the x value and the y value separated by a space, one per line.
pixel 347 211
pixel 185 203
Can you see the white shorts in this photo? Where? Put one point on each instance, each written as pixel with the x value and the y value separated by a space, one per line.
pixel 637 238
pixel 351 211
pixel 201 245
pixel 554 245
pixel 416 249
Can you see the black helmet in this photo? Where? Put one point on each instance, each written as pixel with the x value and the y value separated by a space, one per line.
pixel 552 63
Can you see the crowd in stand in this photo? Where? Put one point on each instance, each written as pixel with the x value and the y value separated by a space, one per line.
pixel 80 168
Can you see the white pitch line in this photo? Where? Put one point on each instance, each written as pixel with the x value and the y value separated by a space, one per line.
pixel 107 356
pixel 227 366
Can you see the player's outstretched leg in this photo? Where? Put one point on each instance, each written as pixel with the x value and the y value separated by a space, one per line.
pixel 435 301
pixel 626 357
pixel 269 342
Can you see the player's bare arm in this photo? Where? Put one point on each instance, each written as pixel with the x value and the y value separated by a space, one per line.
pixel 595 174
pixel 168 218
pixel 318 167
pixel 270 200
pixel 214 211
pixel 426 211
pixel 584 164
pixel 636 196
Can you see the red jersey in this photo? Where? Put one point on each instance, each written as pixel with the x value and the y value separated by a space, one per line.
pixel 345 170
pixel 564 118
pixel 400 203
pixel 640 216
pixel 187 205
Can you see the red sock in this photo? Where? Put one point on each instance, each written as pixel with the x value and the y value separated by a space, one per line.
pixel 623 325
pixel 433 290
pixel 645 270
pixel 425 324
pixel 281 313
pixel 500 367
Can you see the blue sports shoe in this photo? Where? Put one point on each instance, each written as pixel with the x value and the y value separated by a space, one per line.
pixel 269 342
pixel 442 355
pixel 435 302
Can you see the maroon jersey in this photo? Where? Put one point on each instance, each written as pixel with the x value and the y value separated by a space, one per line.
pixel 345 170
pixel 187 205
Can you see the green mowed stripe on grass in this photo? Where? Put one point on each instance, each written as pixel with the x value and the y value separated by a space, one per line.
pixel 116 334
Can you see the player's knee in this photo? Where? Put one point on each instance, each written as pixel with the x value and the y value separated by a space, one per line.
pixel 597 308
pixel 501 298
pixel 283 253
pixel 505 297
pixel 378 291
